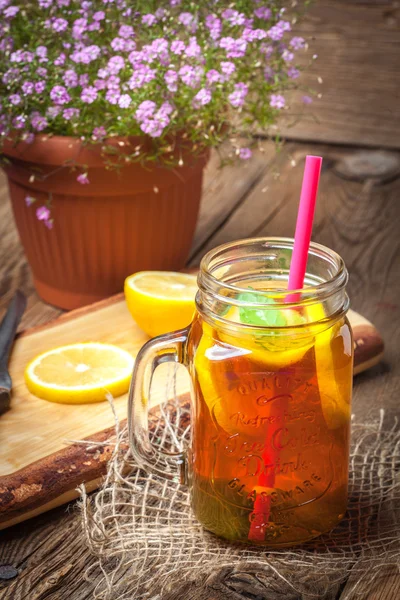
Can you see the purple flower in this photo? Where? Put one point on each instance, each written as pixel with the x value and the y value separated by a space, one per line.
pixel 214 77
pixel 188 20
pixel 89 94
pixel 141 76
pixel 124 101
pixel 237 97
pixel 95 26
pixel 250 35
pixel 21 56
pixel 115 64
pixel 19 121
pixel 41 52
pixel 10 12
pixel 63 3
pixel 59 25
pixel 275 33
pixel 160 13
pixel 193 49
pixel 71 113
pixel 83 179
pixel 15 99
pixel 149 19
pixel 145 110
pixel 70 78
pixel 177 47
pixel 86 55
pixel 45 3
pixel 245 153
pixel 165 109
pixel 125 31
pixel 83 80
pixel 267 49
pixel 171 79
pixel 263 13
pixel 79 27
pixel 235 48
pixel 112 96
pixel 60 60
pixel 99 133
pixel 11 76
pixel 307 99
pixel 39 87
pixel 214 25
pixel 100 15
pixel 113 82
pixel 136 57
pixel 49 223
pixel 118 44
pixel 287 55
pixel 293 73
pixel 227 67
pixel 191 76
pixel 27 87
pixel 155 125
pixel 102 73
pixel 53 112
pixel 159 46
pixel 297 43
pixel 202 98
pixel 277 101
pixel 100 84
pixel 129 45
pixel 41 71
pixel 284 25
pixel 233 16
pixel 29 200
pixel 42 213
pixel 59 95
pixel 152 127
pixel 29 137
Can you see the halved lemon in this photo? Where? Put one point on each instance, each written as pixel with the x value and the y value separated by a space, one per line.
pixel 80 373
pixel 161 301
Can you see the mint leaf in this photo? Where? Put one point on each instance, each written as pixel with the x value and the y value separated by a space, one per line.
pixel 257 316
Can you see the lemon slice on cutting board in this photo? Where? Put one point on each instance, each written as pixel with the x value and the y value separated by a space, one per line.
pixel 80 373
pixel 161 301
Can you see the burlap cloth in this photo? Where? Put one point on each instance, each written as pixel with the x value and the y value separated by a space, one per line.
pixel 147 542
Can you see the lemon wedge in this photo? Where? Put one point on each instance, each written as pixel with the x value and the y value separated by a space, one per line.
pixel 79 373
pixel 161 301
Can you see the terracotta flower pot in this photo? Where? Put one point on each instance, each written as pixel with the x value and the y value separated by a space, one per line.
pixel 125 220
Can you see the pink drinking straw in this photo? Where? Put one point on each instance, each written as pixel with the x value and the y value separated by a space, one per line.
pixel 298 265
pixel 305 218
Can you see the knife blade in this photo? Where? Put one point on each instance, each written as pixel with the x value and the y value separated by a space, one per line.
pixel 8 329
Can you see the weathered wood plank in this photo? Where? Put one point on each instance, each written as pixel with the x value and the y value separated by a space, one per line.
pixel 226 188
pixel 358 48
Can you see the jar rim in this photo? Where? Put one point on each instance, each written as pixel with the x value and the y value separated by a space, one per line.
pixel 310 294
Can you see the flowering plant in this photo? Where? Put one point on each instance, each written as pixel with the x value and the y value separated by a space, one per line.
pixel 98 69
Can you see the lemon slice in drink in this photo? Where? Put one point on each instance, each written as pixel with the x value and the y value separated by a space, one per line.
pixel 161 301
pixel 334 384
pixel 276 348
pixel 80 373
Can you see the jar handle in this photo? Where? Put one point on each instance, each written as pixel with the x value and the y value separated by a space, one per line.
pixel 165 348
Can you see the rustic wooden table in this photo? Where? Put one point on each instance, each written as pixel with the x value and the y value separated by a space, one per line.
pixel 356 127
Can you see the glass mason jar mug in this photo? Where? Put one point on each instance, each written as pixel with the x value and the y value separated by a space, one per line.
pixel 271 376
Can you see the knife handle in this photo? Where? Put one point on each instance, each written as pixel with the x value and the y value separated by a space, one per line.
pixel 8 329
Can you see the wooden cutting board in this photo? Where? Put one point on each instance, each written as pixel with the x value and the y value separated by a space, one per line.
pixel 41 466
